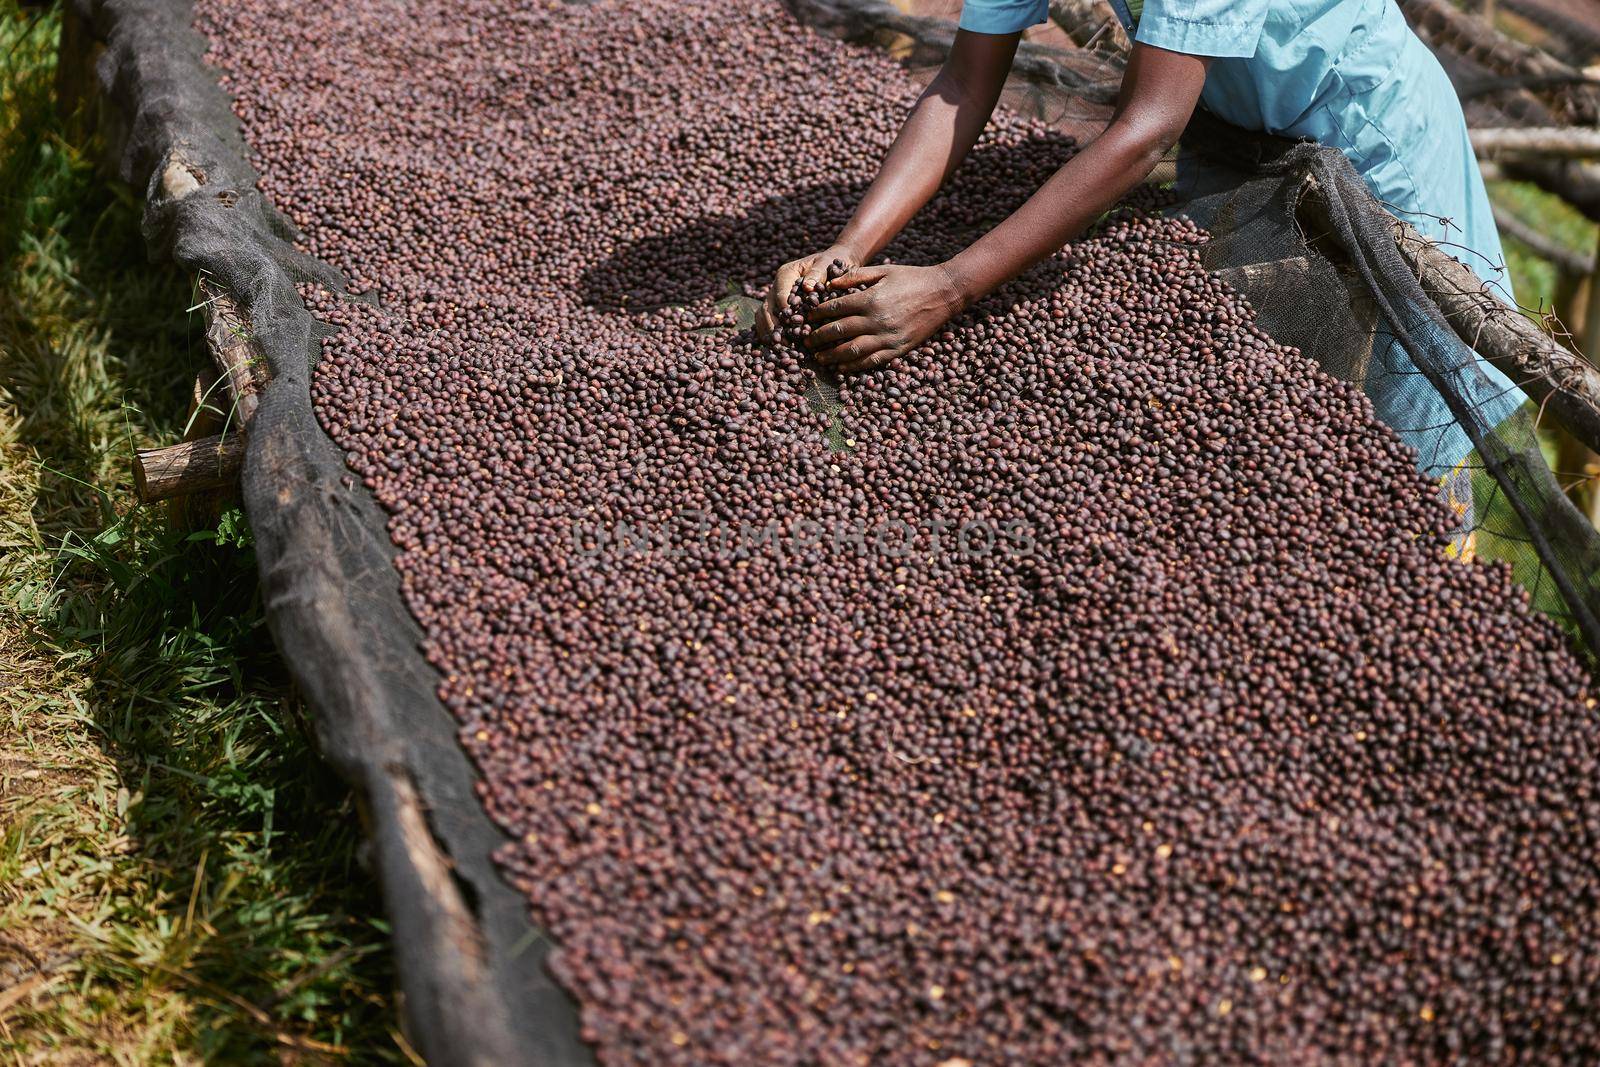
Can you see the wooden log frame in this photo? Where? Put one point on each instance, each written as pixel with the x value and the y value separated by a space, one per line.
pixel 189 467
pixel 1565 260
pixel 1442 25
pixel 211 455
pixel 1559 142
pixel 1563 383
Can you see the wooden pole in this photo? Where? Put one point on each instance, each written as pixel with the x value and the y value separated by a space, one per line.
pixel 188 467
pixel 1565 260
pixel 1589 337
pixel 1576 466
pixel 1564 384
pixel 233 350
pixel 1580 461
pixel 1577 470
pixel 1444 26
pixel 222 403
pixel 1559 142
pixel 207 401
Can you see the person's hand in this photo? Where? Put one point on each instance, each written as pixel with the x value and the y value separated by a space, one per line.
pixel 812 268
pixel 900 308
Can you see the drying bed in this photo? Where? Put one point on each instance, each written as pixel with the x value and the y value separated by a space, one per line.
pixel 1090 685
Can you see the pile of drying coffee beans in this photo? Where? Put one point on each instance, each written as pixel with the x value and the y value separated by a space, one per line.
pixel 1096 692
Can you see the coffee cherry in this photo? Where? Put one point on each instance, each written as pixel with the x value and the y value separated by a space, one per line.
pixel 1092 688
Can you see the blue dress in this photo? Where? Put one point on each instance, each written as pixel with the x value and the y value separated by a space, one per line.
pixel 1349 74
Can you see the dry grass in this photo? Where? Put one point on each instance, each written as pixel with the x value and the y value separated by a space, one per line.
pixel 178 874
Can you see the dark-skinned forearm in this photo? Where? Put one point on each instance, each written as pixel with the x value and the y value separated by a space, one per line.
pixel 1159 93
pixel 1077 194
pixel 895 308
pixel 944 124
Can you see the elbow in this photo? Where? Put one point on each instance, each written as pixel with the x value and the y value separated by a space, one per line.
pixel 973 73
pixel 953 85
pixel 1148 140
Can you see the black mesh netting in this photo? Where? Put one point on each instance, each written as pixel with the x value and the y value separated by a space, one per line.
pixel 471 963
pixel 1332 282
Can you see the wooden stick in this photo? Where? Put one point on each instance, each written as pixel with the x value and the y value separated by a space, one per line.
pixel 1560 256
pixel 207 407
pixel 1562 142
pixel 1091 24
pixel 1576 465
pixel 234 351
pixel 1471 90
pixel 1565 385
pixel 221 407
pixel 207 418
pixel 1590 337
pixel 1445 27
pixel 1575 182
pixel 188 467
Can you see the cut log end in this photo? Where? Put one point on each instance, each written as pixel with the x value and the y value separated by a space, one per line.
pixel 189 467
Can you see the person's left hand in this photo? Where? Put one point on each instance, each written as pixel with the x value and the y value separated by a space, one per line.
pixel 900 308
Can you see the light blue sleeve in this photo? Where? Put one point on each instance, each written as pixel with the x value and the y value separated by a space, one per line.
pixel 1218 28
pixel 1003 16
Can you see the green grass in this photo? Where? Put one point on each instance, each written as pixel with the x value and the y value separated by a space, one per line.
pixel 1540 289
pixel 179 875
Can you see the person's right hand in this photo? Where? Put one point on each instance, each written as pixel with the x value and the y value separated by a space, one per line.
pixel 812 268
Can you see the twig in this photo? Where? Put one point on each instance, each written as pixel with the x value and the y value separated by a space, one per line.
pixel 1564 258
